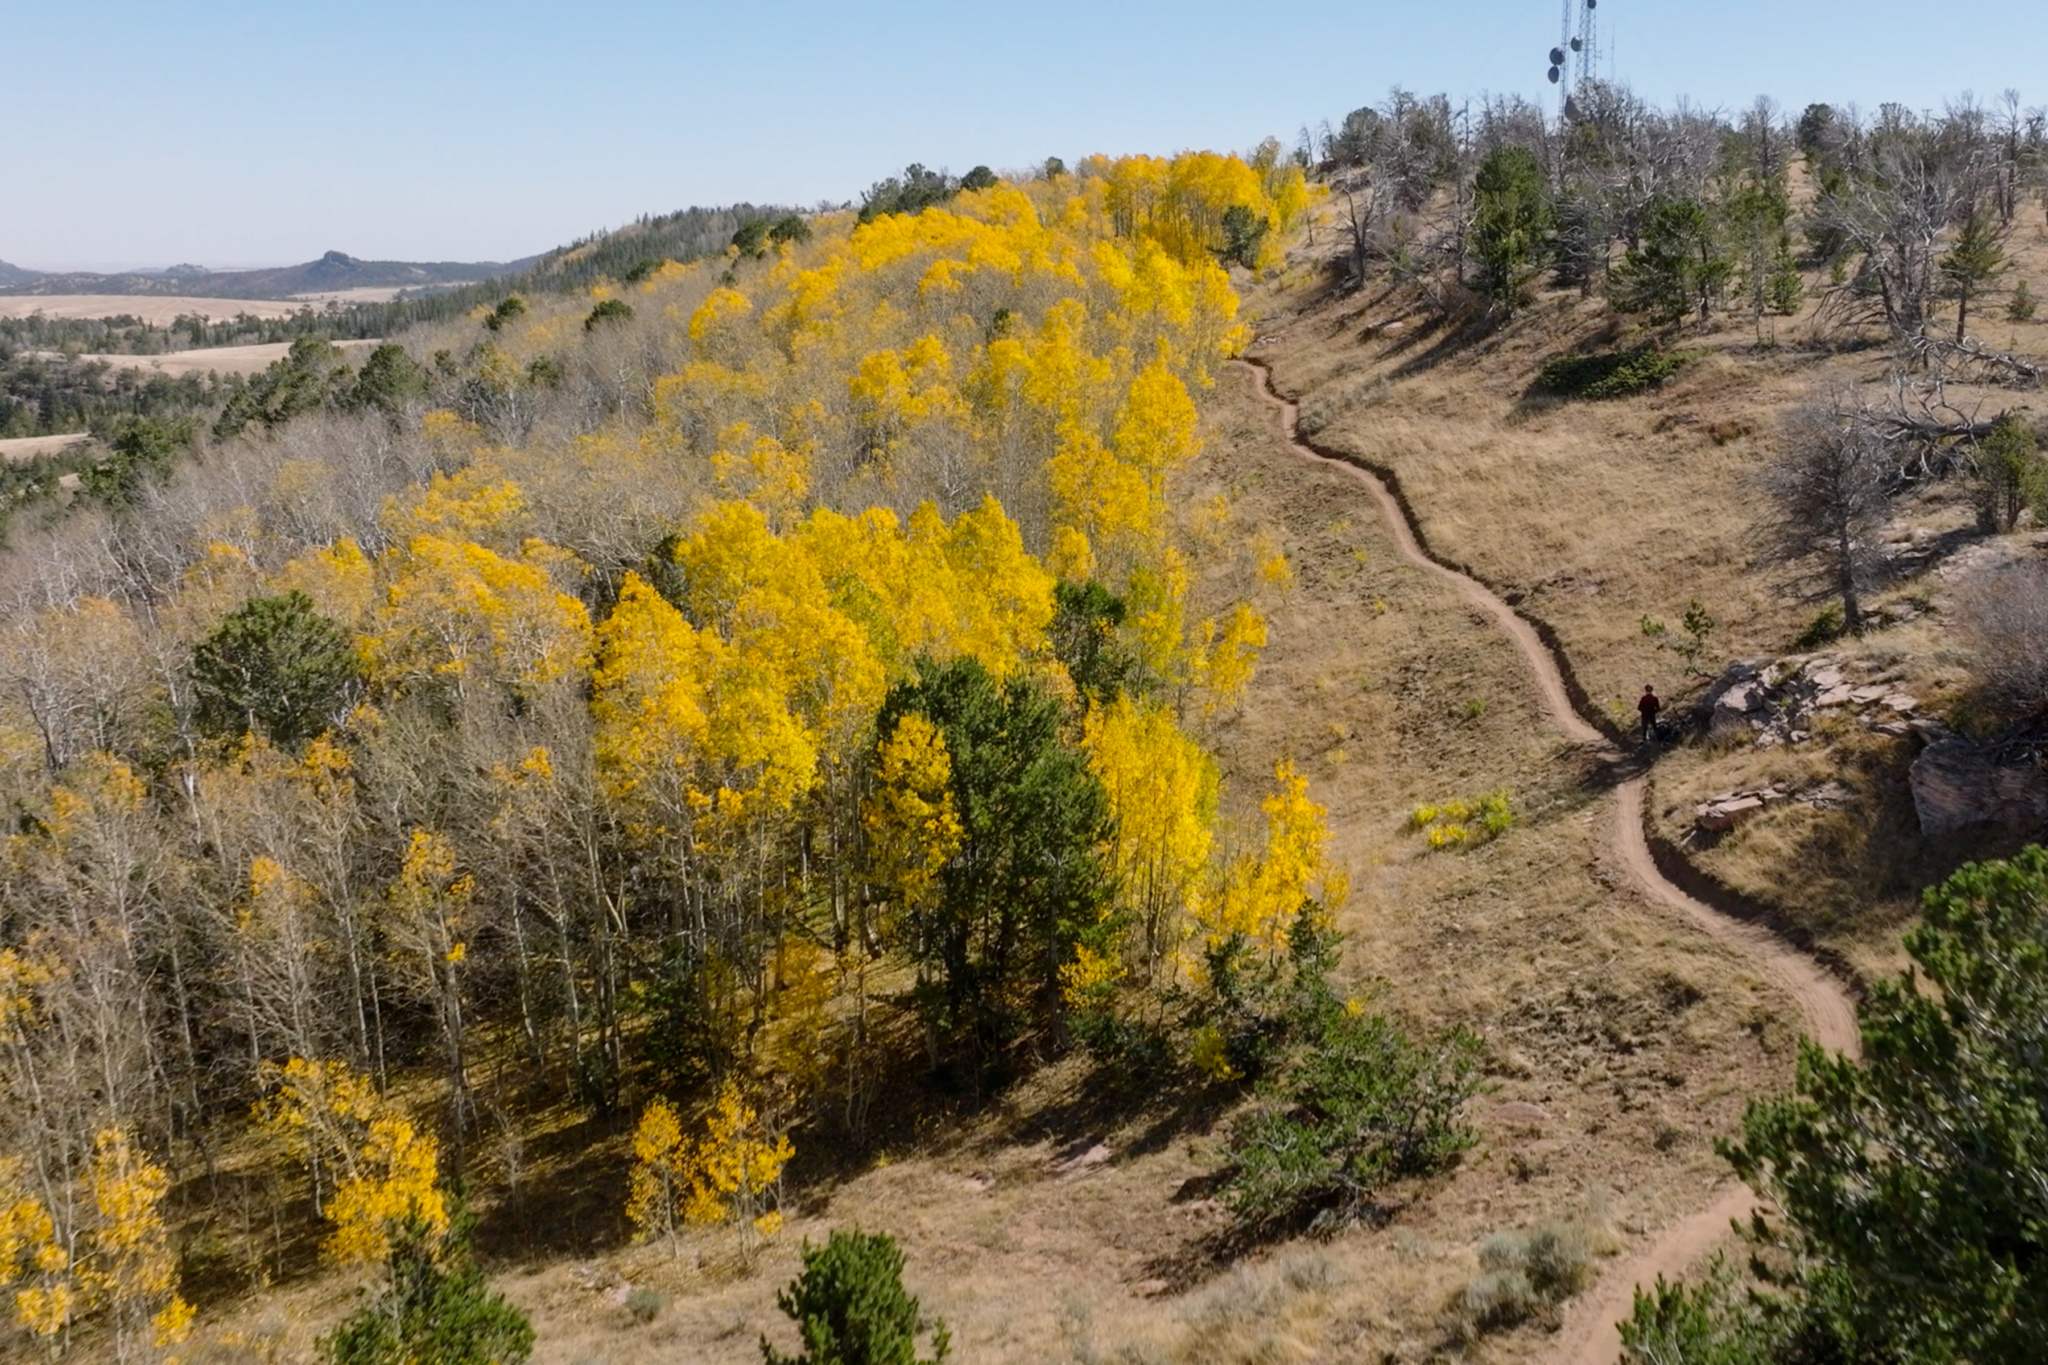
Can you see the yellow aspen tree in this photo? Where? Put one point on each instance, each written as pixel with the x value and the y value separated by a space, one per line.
pixel 1162 791
pixel 735 1168
pixel 660 1174
pixel 912 826
pixel 395 1178
pixel 1261 895
pixel 430 900
pixel 1229 656
pixel 131 1270
pixel 31 1250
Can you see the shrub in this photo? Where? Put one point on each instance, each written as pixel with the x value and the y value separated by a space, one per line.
pixel 850 1307
pixel 645 1304
pixel 1522 1276
pixel 435 1305
pixel 511 307
pixel 1244 233
pixel 1821 629
pixel 2003 619
pixel 2020 307
pixel 1465 820
pixel 608 310
pixel 1608 374
pixel 1359 1105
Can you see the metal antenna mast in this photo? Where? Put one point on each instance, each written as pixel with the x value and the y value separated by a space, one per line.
pixel 1576 58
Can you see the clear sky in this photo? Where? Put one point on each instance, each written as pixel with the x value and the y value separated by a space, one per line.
pixel 230 133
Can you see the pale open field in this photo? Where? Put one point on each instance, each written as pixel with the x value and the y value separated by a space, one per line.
pixel 157 309
pixel 218 359
pixel 23 448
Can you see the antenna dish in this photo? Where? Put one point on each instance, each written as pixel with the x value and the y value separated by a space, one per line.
pixel 1555 75
pixel 1578 44
pixel 1557 56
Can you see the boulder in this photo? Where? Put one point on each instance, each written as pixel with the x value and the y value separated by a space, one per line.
pixel 1718 817
pixel 1956 785
pixel 1864 696
pixel 1838 695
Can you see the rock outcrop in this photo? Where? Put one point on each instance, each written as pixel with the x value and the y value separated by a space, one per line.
pixel 1958 785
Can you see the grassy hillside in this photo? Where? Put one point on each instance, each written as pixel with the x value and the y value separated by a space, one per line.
pixel 874 725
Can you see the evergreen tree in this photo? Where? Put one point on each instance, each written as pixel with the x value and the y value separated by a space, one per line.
pixel 1680 266
pixel 1510 223
pixel 274 665
pixel 1028 879
pixel 1913 1225
pixel 390 377
pixel 1976 258
pixel 850 1307
pixel 435 1306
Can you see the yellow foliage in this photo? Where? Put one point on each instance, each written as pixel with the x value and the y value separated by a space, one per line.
pixel 1261 895
pixel 733 1172
pixel 1162 791
pixel 913 828
pixel 394 1178
pixel 1464 820
pixel 455 609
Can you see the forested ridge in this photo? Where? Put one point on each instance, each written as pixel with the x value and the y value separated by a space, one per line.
pixel 728 707
pixel 795 691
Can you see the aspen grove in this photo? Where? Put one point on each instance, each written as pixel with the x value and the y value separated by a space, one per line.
pixel 785 679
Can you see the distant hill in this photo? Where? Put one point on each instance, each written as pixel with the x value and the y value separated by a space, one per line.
pixel 334 271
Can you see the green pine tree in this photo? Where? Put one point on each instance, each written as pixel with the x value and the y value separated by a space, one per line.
pixel 1973 261
pixel 277 666
pixel 1511 222
pixel 435 1306
pixel 850 1307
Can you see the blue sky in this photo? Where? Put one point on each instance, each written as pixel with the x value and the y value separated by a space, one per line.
pixel 232 133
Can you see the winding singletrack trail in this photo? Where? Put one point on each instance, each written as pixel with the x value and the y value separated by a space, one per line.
pixel 1590 1335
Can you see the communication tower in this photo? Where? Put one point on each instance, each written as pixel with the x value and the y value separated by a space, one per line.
pixel 1576 57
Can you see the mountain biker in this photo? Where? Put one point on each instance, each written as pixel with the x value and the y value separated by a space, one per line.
pixel 1648 708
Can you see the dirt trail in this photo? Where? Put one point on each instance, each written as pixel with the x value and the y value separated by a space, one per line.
pixel 1589 1335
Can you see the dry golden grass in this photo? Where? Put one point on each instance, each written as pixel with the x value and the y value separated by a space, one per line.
pixel 1058 1225
pixel 1592 515
pixel 159 310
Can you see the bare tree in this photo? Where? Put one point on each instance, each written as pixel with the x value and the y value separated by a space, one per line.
pixel 2003 616
pixel 1827 493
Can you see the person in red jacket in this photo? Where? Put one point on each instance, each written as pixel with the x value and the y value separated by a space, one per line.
pixel 1648 708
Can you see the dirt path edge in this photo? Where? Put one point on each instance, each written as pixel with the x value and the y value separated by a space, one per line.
pixel 1590 1334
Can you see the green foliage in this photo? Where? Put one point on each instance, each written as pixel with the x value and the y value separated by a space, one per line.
pixel 1609 374
pixel 1679 266
pixel 509 308
pixel 916 190
pixel 1028 880
pixel 1084 639
pixel 389 380
pixel 1696 629
pixel 431 1308
pixel 1362 1105
pixel 1259 1007
pixel 1822 629
pixel 790 227
pixel 1909 1183
pixel 274 665
pixel 1054 168
pixel 2013 474
pixel 751 238
pixel 1244 233
pixel 311 376
pixel 2020 307
pixel 1972 262
pixel 144 451
pixel 645 1304
pixel 851 1308
pixel 1709 1323
pixel 608 310
pixel 1511 221
pixel 980 178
